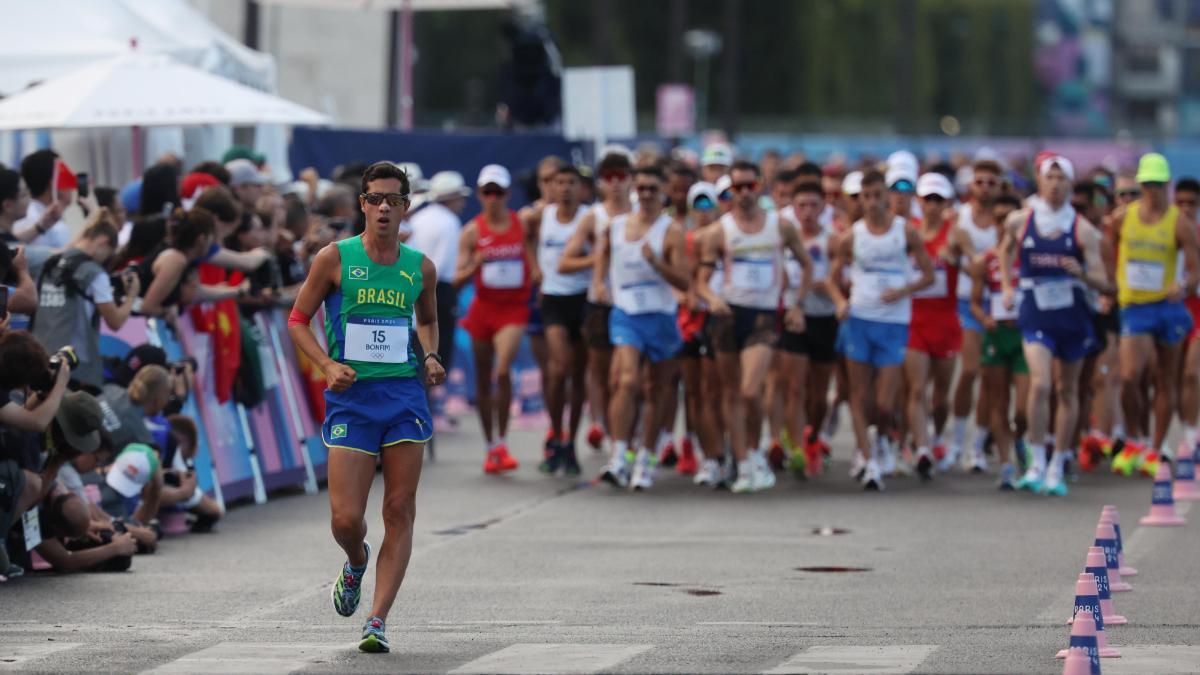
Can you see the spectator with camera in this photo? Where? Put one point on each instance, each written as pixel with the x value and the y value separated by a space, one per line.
pixel 52 187
pixel 75 292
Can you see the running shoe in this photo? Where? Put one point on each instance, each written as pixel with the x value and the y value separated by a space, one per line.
pixel 814 460
pixel 977 461
pixel 551 457
pixel 570 462
pixel 858 465
pixel 872 477
pixel 347 588
pixel 1091 450
pixel 939 452
pixel 499 461
pixel 1126 461
pixel 925 466
pixel 643 471
pixel 1033 478
pixel 595 436
pixel 950 459
pixel 1054 485
pixel 373 639
pixel 764 477
pixel 798 464
pixel 686 447
pixel 745 480
pixel 1147 463
pixel 776 456
pixel 687 463
pixel 887 457
pixel 1021 453
pixel 1008 478
pixel 709 473
pixel 668 456
pixel 616 473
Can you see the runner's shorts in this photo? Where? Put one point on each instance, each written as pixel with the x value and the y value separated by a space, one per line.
pixel 655 335
pixel 374 414
pixel 483 322
pixel 938 339
pixel 876 343
pixel 565 311
pixel 1066 342
pixel 966 319
pixel 1167 322
pixel 745 327
pixel 595 326
pixel 818 340
pixel 1002 347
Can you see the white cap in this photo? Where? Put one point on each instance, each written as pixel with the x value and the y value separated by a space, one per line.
pixel 702 189
pixel 416 177
pixel 852 183
pixel 903 159
pixel 133 468
pixel 717 153
pixel 615 149
pixel 935 184
pixel 896 174
pixel 494 174
pixel 1062 162
pixel 445 185
pixel 723 183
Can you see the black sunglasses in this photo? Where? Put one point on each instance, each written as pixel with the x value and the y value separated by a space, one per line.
pixel 392 198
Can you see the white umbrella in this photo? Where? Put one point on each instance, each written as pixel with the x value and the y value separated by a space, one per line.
pixel 146 90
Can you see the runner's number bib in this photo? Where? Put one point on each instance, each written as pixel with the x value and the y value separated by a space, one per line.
pixel 502 274
pixel 377 339
pixel 646 298
pixel 1144 275
pixel 1051 295
pixel 940 288
pixel 1002 313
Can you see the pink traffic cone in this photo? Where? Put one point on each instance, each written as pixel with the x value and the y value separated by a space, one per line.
pixel 1079 663
pixel 1106 538
pixel 1087 599
pixel 1096 565
pixel 1162 504
pixel 1083 639
pixel 1111 511
pixel 1185 489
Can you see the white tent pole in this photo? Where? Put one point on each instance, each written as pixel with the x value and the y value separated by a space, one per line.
pixel 406 66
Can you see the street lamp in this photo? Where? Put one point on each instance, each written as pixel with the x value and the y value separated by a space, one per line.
pixel 701 45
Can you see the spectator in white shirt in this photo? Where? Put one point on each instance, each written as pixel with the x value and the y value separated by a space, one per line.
pixel 435 230
pixel 52 192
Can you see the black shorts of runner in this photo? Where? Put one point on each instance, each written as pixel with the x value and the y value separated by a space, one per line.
pixel 1103 325
pixel 817 340
pixel 745 327
pixel 566 311
pixel 595 326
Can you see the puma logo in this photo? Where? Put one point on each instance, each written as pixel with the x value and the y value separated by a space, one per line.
pixel 412 280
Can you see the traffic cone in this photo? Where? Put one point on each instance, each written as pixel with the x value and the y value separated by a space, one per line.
pixel 1096 566
pixel 1162 504
pixel 1115 518
pixel 1106 538
pixel 1185 489
pixel 1088 631
pixel 1079 663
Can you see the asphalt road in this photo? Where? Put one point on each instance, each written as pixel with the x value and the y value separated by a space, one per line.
pixel 530 574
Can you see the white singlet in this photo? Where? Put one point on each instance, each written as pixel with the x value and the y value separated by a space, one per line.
pixel 637 287
pixel 983 239
pixel 552 239
pixel 754 274
pixel 880 263
pixel 816 302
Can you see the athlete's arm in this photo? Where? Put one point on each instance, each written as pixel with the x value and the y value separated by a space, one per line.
pixel 977 270
pixel 1112 235
pixel 1186 239
pixel 712 243
pixel 601 254
pixel 243 261
pixel 533 226
pixel 672 265
pixel 322 278
pixel 841 252
pixel 961 246
pixel 1093 274
pixel 573 258
pixel 916 248
pixel 427 325
pixel 1004 251
pixel 791 239
pixel 469 259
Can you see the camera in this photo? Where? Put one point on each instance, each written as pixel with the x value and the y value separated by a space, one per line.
pixel 65 355
pixel 119 284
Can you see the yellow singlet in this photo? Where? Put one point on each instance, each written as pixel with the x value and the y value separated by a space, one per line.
pixel 1146 257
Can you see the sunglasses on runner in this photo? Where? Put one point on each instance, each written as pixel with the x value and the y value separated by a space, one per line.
pixel 647 189
pixel 1133 194
pixel 493 192
pixel 703 203
pixel 751 186
pixel 377 198
pixel 726 195
pixel 934 199
pixel 613 176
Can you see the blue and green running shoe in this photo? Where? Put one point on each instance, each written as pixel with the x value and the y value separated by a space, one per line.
pixel 373 639
pixel 347 589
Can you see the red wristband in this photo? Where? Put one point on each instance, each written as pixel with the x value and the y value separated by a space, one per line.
pixel 298 318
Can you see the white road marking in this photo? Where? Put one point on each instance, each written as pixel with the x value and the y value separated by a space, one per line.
pixel 758 623
pixel 18 656
pixel 497 622
pixel 251 657
pixel 867 660
pixel 553 658
pixel 1154 660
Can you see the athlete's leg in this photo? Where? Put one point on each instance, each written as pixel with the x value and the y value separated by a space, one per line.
pixel 942 375
pixel 661 401
pixel 964 391
pixel 1166 389
pixel 795 410
pixel 579 369
pixel 997 380
pixel 540 348
pixel 350 474
pixel 773 396
pixel 401 471
pixel 712 410
pixel 887 386
pixel 506 342
pixel 733 405
pixel 599 366
pixel 858 379
pixel 484 361
pixel 755 362
pixel 626 365
pixel 1135 353
pixel 916 375
pixel 559 362
pixel 818 393
pixel 1037 404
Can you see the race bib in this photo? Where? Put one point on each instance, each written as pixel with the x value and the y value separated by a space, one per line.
pixel 1051 295
pixel 752 275
pixel 1144 275
pixel 377 339
pixel 881 282
pixel 645 298
pixel 1002 313
pixel 33 528
pixel 502 274
pixel 938 289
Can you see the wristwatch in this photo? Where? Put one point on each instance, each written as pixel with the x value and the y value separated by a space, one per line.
pixel 436 357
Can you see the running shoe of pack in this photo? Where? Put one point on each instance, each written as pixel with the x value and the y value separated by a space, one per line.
pixel 595 436
pixel 617 472
pixel 764 476
pixel 552 458
pixel 814 459
pixel 570 462
pixel 1126 461
pixel 1008 478
pixel 1147 463
pixel 797 463
pixel 951 457
pixel 925 465
pixel 643 471
pixel 872 477
pixel 709 473
pixel 1055 484
pixel 939 451
pixel 1021 453
pixel 499 461
pixel 1033 478
pixel 887 456
pixel 1091 451
pixel 373 639
pixel 687 459
pixel 347 588
pixel 776 456
pixel 976 461
pixel 668 456
pixel 745 478
pixel 858 465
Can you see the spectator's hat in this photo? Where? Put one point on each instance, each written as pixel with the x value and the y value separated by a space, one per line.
pixel 416 178
pixel 243 152
pixel 852 183
pixel 142 355
pixel 717 154
pixel 244 172
pixel 133 468
pixel 80 419
pixel 446 185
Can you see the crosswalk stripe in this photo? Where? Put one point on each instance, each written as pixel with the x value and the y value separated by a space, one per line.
pixel 864 659
pixel 1154 660
pixel 552 658
pixel 17 656
pixel 251 657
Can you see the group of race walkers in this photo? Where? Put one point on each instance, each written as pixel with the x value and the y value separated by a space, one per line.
pixel 1051 322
